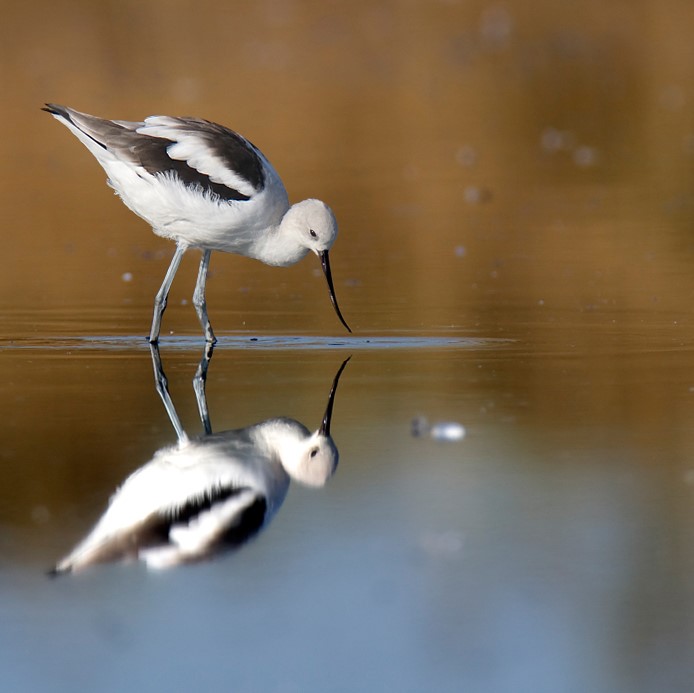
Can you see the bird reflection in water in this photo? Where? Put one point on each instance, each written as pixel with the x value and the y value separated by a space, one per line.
pixel 208 494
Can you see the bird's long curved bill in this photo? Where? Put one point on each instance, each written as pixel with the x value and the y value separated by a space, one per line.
pixel 325 264
pixel 325 426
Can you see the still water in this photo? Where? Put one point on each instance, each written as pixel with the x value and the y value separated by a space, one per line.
pixel 514 186
pixel 551 544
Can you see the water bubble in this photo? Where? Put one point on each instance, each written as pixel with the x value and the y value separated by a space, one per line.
pixel 40 514
pixel 447 431
pixel 474 194
pixel 585 156
pixel 672 97
pixel 553 140
pixel 496 24
pixel 446 544
pixel 466 155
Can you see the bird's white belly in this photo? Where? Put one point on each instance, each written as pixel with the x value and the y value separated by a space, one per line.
pixel 194 218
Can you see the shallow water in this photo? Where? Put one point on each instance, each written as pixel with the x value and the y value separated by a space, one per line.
pixel 558 530
pixel 514 191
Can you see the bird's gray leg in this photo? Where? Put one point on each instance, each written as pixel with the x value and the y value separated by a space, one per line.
pixel 199 297
pixel 162 386
pixel 199 386
pixel 162 294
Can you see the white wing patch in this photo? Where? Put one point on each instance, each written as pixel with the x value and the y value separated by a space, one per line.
pixel 194 150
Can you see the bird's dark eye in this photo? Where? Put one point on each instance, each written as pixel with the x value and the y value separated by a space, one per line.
pixel 313 233
pixel 313 452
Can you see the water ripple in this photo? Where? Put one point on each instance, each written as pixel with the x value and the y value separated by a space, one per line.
pixel 268 342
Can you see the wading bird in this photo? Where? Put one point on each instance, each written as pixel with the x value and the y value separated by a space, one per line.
pixel 204 186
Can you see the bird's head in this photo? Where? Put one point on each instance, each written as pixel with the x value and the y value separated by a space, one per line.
pixel 313 226
pixel 313 460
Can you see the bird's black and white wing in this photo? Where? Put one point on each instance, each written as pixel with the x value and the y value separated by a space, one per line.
pixel 232 166
pixel 196 152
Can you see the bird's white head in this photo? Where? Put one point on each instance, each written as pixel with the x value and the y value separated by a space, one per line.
pixel 312 225
pixel 312 461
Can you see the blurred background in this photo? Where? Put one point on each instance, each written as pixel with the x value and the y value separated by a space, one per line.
pixel 476 153
pixel 516 173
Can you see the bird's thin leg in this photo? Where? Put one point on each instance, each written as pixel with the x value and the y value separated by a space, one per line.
pixel 162 294
pixel 199 297
pixel 199 381
pixel 162 386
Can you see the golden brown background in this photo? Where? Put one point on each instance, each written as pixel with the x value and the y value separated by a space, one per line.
pixel 477 154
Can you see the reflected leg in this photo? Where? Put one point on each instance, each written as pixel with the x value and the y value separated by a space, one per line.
pixel 162 294
pixel 199 381
pixel 162 385
pixel 199 297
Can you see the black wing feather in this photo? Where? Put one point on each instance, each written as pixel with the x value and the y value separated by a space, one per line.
pixel 151 153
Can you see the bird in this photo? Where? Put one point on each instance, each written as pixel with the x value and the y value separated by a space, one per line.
pixel 202 496
pixel 204 186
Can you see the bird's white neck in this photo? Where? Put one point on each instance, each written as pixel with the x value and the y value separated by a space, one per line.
pixel 280 245
pixel 278 435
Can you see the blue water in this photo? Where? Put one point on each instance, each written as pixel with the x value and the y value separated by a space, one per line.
pixel 522 556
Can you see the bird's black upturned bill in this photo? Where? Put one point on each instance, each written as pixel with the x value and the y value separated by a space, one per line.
pixel 325 264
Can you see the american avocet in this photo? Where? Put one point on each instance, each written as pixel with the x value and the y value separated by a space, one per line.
pixel 207 494
pixel 204 186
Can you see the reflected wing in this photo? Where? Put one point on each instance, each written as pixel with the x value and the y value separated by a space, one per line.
pixel 222 518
